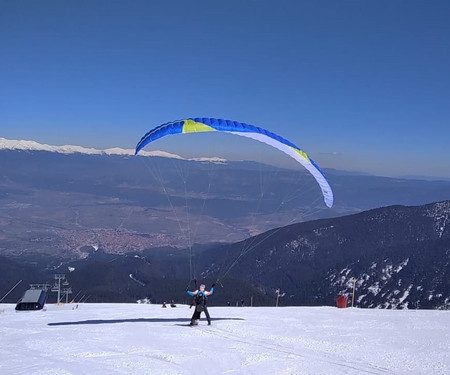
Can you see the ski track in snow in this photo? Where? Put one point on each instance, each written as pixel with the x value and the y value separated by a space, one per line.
pixel 146 339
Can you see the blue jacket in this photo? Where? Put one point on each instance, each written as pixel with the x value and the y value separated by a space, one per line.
pixel 194 293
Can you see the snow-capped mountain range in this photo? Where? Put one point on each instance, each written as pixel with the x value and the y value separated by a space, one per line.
pixel 64 202
pixel 397 256
pixel 11 144
pixel 394 257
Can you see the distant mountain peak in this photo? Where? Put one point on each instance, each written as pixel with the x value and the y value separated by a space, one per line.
pixel 22 145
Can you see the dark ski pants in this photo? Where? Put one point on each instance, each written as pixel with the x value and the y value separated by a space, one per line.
pixel 197 313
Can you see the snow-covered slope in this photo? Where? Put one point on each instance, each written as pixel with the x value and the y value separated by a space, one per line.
pixel 397 256
pixel 146 339
pixel 9 144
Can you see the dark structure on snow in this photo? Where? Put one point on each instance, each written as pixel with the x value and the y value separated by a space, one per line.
pixel 33 299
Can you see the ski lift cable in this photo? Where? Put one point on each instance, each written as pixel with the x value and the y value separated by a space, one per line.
pixel 14 287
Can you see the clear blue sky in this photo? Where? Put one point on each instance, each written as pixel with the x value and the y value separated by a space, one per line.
pixel 359 85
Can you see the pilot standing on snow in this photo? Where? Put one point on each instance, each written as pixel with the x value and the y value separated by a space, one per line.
pixel 200 297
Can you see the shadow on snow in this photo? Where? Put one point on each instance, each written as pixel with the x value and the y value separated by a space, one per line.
pixel 139 320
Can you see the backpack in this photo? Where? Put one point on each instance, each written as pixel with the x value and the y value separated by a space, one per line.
pixel 200 299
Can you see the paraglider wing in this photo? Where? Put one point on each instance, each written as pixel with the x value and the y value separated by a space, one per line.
pixel 197 125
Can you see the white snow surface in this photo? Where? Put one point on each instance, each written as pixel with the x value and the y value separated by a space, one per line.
pixel 147 339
